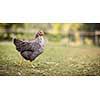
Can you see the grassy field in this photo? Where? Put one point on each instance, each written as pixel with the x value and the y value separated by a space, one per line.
pixel 56 60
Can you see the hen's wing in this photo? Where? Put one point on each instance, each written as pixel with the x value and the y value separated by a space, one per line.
pixel 29 55
pixel 22 45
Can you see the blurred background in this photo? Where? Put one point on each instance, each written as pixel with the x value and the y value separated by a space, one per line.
pixel 71 49
pixel 73 34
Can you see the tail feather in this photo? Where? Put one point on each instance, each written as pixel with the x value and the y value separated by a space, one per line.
pixel 14 38
pixel 17 43
pixel 14 41
pixel 22 45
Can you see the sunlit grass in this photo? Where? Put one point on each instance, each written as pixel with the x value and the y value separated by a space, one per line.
pixel 57 59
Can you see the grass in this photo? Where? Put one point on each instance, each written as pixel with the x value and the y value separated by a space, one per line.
pixel 56 60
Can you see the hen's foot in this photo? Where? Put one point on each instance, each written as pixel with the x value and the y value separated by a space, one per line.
pixel 32 65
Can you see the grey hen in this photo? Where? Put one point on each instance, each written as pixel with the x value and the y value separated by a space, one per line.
pixel 30 49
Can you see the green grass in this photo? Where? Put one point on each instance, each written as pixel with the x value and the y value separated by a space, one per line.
pixel 57 60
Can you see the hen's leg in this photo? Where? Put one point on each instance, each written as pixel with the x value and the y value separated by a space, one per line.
pixel 21 60
pixel 32 64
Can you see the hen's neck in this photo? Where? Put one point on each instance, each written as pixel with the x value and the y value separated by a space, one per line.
pixel 41 40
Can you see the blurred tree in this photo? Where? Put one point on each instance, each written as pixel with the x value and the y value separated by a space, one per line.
pixel 8 26
pixel 91 27
pixel 75 26
pixel 64 28
pixel 56 28
pixel 41 26
pixel 67 27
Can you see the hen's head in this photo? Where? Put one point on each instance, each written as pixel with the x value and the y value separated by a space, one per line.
pixel 40 33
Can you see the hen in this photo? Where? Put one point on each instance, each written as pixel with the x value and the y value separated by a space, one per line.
pixel 30 49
